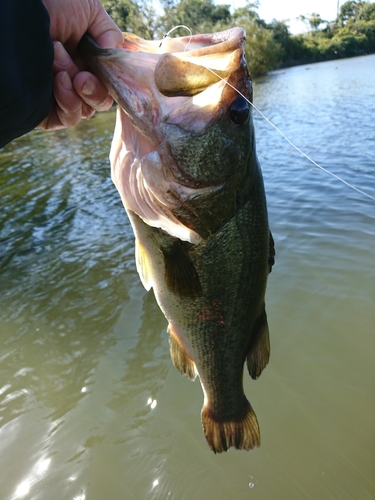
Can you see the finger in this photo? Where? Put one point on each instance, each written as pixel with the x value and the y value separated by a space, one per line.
pixel 87 111
pixel 62 61
pixel 106 33
pixel 68 103
pixel 92 91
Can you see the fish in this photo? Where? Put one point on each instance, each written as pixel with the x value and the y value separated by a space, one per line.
pixel 183 159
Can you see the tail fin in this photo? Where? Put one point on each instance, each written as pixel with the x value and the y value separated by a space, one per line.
pixel 242 434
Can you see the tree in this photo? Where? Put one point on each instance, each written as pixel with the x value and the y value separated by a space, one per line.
pixel 312 21
pixel 244 14
pixel 194 14
pixel 367 12
pixel 268 46
pixel 282 36
pixel 262 51
pixel 121 11
pixel 140 19
pixel 315 21
pixel 356 10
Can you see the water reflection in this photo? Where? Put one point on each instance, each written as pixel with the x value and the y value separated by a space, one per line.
pixel 37 473
pixel 23 489
pixel 152 403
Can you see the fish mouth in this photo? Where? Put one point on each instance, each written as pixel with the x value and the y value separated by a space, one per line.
pixel 174 80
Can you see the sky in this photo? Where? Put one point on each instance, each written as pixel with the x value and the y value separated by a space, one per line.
pixel 291 9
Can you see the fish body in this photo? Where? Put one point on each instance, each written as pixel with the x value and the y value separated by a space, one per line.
pixel 184 162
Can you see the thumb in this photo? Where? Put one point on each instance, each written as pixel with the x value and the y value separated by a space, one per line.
pixel 104 31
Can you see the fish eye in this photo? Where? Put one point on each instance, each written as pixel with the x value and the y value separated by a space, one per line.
pixel 239 111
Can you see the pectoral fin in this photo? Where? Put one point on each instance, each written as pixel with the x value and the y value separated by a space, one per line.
pixel 259 352
pixel 180 274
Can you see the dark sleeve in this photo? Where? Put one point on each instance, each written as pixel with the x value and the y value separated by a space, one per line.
pixel 26 58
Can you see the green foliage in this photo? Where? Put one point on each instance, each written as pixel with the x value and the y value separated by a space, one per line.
pixel 313 21
pixel 268 46
pixel 139 18
pixel 352 34
pixel 244 14
pixel 121 11
pixel 353 11
pixel 262 50
pixel 195 14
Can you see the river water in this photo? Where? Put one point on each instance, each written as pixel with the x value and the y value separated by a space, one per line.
pixel 91 407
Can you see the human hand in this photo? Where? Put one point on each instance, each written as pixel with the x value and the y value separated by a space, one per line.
pixel 77 93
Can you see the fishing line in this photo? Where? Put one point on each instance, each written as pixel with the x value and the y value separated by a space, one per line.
pixel 175 28
pixel 269 121
pixel 293 145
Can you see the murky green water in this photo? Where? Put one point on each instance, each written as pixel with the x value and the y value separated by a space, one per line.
pixel 91 407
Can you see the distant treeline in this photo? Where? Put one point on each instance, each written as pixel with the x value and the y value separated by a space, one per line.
pixel 269 45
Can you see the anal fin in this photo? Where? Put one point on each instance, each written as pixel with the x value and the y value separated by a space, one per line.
pixel 259 352
pixel 241 433
pixel 181 361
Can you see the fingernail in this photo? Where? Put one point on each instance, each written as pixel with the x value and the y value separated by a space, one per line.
pixel 66 81
pixel 87 111
pixel 89 87
pixel 61 56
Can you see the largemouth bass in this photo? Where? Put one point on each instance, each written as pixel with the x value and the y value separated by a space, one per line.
pixel 183 160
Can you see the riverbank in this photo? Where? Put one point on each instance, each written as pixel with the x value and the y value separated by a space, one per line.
pixel 307 61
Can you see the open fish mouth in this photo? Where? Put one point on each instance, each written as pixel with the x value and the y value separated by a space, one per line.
pixel 176 80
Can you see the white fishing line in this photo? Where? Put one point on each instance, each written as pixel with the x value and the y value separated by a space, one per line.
pixel 296 147
pixel 270 123
pixel 175 28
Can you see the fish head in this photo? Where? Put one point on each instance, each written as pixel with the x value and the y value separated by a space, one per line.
pixel 184 135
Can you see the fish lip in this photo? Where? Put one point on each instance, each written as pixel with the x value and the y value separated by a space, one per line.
pixel 101 62
pixel 152 62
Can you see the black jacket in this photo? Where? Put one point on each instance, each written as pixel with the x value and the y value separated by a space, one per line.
pixel 26 58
